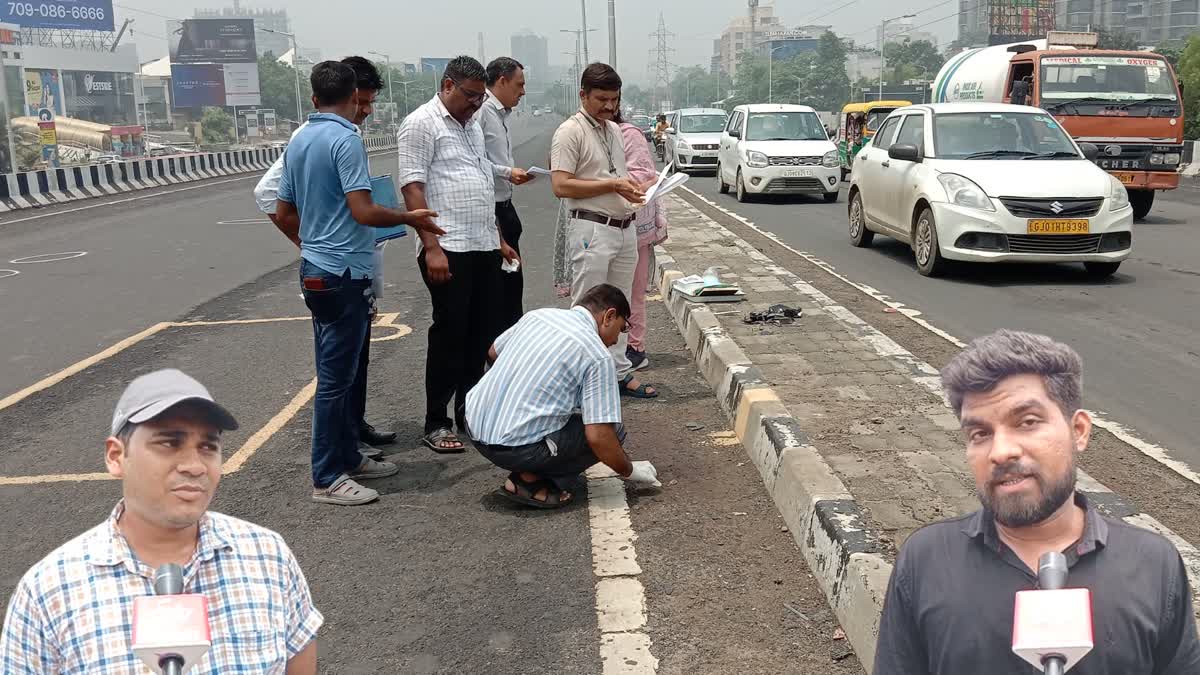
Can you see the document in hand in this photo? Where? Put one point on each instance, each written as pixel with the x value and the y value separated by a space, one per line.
pixel 539 171
pixel 383 192
pixel 667 181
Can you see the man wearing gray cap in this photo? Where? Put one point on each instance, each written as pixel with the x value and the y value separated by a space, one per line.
pixel 165 448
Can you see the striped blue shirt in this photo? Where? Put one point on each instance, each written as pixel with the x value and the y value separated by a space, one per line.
pixel 550 364
pixel 73 611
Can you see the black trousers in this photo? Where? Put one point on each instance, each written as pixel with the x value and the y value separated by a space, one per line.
pixel 464 326
pixel 560 457
pixel 512 285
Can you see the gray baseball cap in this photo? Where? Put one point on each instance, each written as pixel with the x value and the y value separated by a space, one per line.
pixel 153 394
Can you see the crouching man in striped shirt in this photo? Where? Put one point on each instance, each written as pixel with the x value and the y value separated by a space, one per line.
pixel 549 408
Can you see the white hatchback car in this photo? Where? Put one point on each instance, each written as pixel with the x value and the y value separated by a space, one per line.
pixel 777 149
pixel 988 183
pixel 693 138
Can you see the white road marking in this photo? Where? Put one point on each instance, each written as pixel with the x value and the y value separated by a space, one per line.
pixel 620 597
pixel 47 258
pixel 4 274
pixel 245 221
pixel 1155 452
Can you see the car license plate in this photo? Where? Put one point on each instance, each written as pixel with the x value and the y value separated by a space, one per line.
pixel 1067 226
pixel 1125 178
pixel 798 173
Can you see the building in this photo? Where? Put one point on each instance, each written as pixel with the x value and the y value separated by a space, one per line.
pixel 785 44
pixel 973 21
pixel 533 52
pixel 739 36
pixel 861 65
pixel 433 65
pixel 1156 22
pixel 902 30
pixel 272 19
pixel 154 94
pixel 1090 15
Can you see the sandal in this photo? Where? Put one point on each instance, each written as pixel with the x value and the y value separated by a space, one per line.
pixel 643 390
pixel 345 492
pixel 526 491
pixel 444 442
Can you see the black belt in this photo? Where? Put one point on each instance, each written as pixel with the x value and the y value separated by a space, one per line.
pixel 580 214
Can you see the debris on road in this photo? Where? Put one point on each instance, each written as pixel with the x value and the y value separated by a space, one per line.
pixel 797 612
pixel 780 315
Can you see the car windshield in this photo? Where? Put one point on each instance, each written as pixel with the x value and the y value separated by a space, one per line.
pixel 988 135
pixel 785 126
pixel 1105 79
pixel 643 122
pixel 702 124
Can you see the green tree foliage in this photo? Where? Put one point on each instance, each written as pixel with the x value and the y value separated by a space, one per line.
pixel 911 60
pixel 1189 76
pixel 217 126
pixel 1115 39
pixel 277 82
pixel 695 87
pixel 816 78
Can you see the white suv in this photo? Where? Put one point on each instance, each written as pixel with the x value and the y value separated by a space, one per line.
pixel 988 183
pixel 777 149
pixel 694 136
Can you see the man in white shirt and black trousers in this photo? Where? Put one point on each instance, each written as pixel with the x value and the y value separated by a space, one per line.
pixel 444 165
pixel 506 88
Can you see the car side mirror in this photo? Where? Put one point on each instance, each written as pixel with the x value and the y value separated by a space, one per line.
pixel 905 151
pixel 671 131
pixel 735 133
pixel 1091 151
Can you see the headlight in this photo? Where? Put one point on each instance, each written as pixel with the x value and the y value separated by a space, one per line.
pixel 962 191
pixel 683 145
pixel 1156 158
pixel 1171 158
pixel 757 160
pixel 831 160
pixel 1118 196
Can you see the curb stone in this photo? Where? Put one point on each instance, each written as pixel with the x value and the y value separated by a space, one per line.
pixel 822 516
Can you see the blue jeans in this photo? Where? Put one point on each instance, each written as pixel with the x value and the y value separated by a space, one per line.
pixel 340 307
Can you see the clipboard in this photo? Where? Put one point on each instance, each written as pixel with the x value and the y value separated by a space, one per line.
pixel 383 192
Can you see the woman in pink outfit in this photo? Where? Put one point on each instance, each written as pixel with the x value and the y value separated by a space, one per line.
pixel 652 230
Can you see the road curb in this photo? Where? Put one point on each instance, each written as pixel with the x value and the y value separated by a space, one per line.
pixel 824 519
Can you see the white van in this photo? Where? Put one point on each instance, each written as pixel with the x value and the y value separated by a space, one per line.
pixel 774 148
pixel 694 137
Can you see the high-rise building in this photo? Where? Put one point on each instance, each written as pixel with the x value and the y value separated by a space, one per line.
pixel 1082 15
pixel 738 38
pixel 274 19
pixel 902 30
pixel 532 51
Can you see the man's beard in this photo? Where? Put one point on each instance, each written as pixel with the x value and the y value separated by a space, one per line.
pixel 1021 511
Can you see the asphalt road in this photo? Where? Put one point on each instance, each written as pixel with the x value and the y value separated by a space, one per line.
pixel 440 575
pixel 1136 332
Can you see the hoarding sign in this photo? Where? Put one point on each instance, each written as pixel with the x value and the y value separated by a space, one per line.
pixel 70 14
pixel 41 92
pixel 214 41
pixel 241 84
pixel 1019 20
pixel 196 86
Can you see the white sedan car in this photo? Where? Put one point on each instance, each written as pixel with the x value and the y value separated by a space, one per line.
pixel 988 183
pixel 777 149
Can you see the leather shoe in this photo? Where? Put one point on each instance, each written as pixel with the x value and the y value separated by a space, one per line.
pixel 367 434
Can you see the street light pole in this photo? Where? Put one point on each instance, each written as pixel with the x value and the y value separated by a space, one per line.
pixel 391 99
pixel 405 85
pixel 771 72
pixel 882 41
pixel 295 67
pixel 583 9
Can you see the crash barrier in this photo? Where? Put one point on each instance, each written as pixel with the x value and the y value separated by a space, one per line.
pixel 47 187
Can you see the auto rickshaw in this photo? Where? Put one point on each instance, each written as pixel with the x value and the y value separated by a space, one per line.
pixel 859 122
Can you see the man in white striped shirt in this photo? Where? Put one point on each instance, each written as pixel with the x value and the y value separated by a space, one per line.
pixel 549 407
pixel 444 166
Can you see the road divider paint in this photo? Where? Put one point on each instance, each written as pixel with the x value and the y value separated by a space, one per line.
pixel 4 274
pixel 281 418
pixel 47 258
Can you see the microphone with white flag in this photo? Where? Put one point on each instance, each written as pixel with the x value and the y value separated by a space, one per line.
pixel 1052 626
pixel 170 629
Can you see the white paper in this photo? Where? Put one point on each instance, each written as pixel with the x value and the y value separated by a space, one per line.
pixel 539 171
pixel 650 194
pixel 667 186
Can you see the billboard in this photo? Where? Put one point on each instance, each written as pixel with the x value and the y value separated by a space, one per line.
pixel 71 14
pixel 1019 20
pixel 437 66
pixel 213 41
pixel 196 86
pixel 41 92
pixel 241 84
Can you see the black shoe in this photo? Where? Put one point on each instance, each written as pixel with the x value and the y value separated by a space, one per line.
pixel 368 435
pixel 639 360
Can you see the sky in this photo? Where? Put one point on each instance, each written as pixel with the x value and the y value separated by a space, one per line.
pixel 409 29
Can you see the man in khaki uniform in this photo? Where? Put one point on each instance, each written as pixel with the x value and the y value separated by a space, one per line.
pixel 587 159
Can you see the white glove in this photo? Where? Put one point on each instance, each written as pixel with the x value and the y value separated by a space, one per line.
pixel 644 472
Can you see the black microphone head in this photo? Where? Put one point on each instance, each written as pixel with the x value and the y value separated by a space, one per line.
pixel 168 580
pixel 1052 571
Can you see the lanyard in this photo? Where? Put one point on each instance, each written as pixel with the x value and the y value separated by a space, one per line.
pixel 612 165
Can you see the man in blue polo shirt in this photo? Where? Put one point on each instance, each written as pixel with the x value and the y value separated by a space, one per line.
pixel 326 182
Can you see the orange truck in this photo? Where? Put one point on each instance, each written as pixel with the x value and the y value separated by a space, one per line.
pixel 1127 103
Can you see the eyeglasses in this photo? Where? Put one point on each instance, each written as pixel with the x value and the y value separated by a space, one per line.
pixel 472 96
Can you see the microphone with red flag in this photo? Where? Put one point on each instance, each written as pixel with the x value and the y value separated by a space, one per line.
pixel 170 629
pixel 1052 626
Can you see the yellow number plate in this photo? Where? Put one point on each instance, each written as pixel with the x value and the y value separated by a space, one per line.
pixel 1072 226
pixel 1125 178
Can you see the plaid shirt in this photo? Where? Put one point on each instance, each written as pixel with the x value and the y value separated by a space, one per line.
pixel 73 611
pixel 460 181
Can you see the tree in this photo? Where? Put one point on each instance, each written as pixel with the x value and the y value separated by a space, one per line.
pixel 1189 75
pixel 277 82
pixel 911 60
pixel 693 87
pixel 1115 39
pixel 217 126
pixel 1172 52
pixel 829 86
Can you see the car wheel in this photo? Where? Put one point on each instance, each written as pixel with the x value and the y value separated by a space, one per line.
pixel 1141 200
pixel 831 197
pixel 930 262
pixel 860 236
pixel 721 186
pixel 1101 270
pixel 742 195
